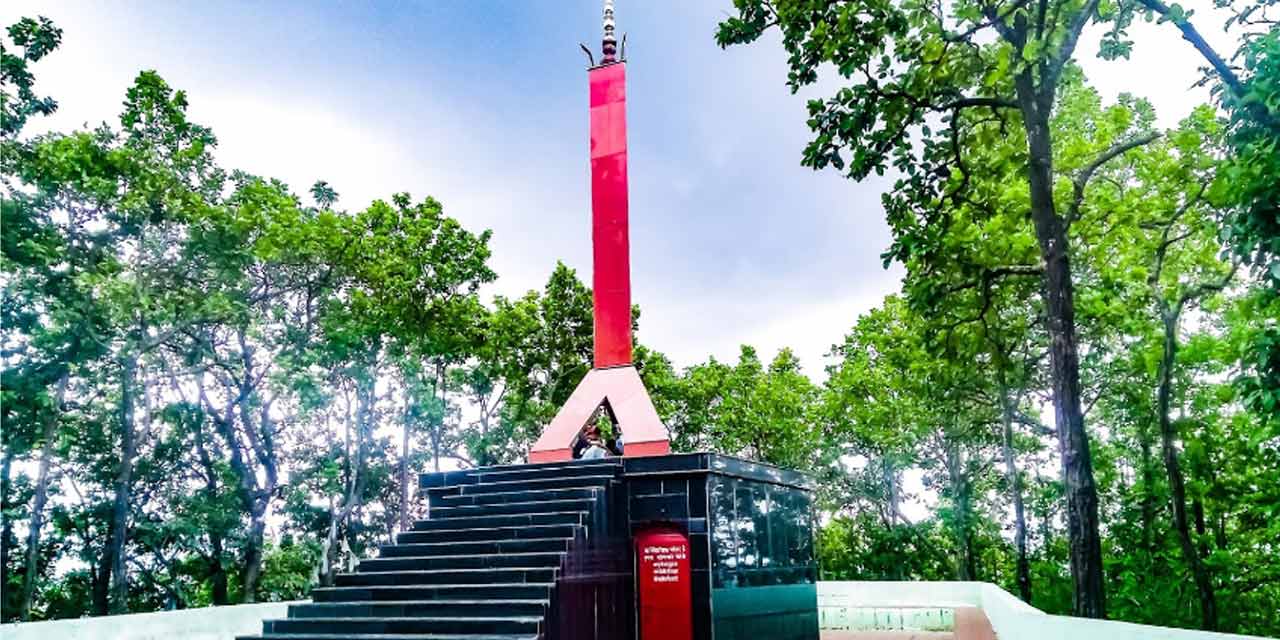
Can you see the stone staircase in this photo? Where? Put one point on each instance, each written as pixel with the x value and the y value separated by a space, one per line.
pixel 483 566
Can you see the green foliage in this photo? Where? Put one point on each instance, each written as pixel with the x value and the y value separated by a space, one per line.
pixel 18 101
pixel 283 368
pixel 862 548
pixel 1248 180
pixel 749 410
pixel 1007 166
pixel 288 571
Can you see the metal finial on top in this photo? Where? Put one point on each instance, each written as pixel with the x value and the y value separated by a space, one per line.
pixel 610 47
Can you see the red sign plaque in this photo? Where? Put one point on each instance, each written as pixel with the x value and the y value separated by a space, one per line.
pixel 662 574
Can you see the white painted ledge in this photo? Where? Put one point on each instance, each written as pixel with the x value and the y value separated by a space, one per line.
pixel 1012 619
pixel 206 623
pixel 840 606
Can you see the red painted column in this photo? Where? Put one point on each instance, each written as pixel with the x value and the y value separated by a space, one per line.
pixel 611 279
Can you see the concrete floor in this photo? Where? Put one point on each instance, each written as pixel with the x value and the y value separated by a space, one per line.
pixel 887 635
pixel 971 624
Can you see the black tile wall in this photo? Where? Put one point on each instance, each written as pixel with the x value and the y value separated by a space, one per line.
pixel 750 531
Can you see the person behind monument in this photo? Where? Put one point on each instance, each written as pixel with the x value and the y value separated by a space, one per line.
pixel 595 444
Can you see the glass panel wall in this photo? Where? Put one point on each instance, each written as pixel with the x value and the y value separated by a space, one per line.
pixel 761 534
pixel 762 564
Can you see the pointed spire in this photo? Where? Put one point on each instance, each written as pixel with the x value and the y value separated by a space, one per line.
pixel 610 41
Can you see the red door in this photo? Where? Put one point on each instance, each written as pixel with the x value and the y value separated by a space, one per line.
pixel 662 574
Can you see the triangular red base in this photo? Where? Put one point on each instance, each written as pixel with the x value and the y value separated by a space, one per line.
pixel 642 429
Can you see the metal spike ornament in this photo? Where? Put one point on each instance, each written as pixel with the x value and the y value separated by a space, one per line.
pixel 610 45
pixel 614 381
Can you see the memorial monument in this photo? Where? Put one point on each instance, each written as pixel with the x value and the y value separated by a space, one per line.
pixel 646 545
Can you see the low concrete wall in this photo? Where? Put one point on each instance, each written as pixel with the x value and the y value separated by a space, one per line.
pixel 1012 618
pixel 841 605
pixel 207 623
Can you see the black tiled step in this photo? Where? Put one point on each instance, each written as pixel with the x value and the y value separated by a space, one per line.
pixel 576 482
pixel 511 520
pixel 468 476
pixel 495 625
pixel 411 608
pixel 468 561
pixel 392 636
pixel 523 474
pixel 510 508
pixel 487 534
pixel 420 592
pixel 441 499
pixel 597 462
pixel 424 550
pixel 447 576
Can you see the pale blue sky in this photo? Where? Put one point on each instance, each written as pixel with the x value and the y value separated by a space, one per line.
pixel 483 105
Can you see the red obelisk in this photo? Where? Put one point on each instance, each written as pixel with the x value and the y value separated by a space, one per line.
pixel 613 382
pixel 611 280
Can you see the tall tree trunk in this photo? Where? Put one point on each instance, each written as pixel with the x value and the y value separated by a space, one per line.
pixel 1015 488
pixel 966 563
pixel 1046 532
pixel 41 496
pixel 1089 596
pixel 1148 490
pixel 102 579
pixel 892 491
pixel 119 597
pixel 355 482
pixel 325 569
pixel 6 530
pixel 404 465
pixel 253 551
pixel 1177 485
pixel 217 571
pixel 255 420
pixel 483 458
pixel 1197 510
pixel 438 432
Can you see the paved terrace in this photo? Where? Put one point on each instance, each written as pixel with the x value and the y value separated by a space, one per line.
pixel 848 611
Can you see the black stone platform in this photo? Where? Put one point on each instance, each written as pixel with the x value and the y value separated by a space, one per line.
pixel 544 552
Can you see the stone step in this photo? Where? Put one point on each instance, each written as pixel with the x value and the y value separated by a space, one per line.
pixel 576 482
pixel 510 508
pixel 490 625
pixel 509 520
pixel 392 636
pixel 488 534
pixel 442 499
pixel 487 547
pixel 422 592
pixel 447 576
pixel 412 608
pixel 483 566
pixel 527 474
pixel 468 561
pixel 609 466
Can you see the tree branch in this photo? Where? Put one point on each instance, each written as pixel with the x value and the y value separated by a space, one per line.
pixel 1206 288
pixel 994 103
pixel 1166 242
pixel 993 20
pixel 1059 60
pixel 1082 178
pixel 1190 34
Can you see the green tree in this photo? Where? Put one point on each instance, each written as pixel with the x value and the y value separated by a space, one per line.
pixel 920 77
pixel 748 409
pixel 537 349
pixel 37 37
